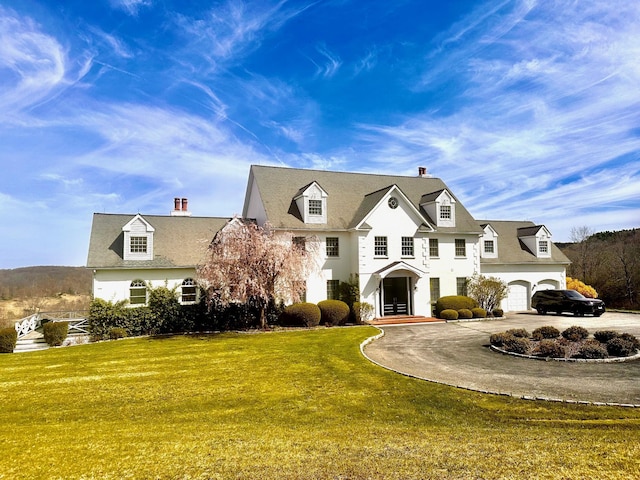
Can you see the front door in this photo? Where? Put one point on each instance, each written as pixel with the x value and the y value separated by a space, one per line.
pixel 395 296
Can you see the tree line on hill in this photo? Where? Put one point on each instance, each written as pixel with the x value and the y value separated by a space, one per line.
pixel 609 262
pixel 49 281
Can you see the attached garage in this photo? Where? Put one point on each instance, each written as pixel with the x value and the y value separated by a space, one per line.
pixel 547 285
pixel 518 296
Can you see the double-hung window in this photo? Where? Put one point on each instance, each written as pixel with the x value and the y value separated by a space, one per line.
pixel 380 246
pixel 138 245
pixel 138 293
pixel 543 246
pixel 461 285
pixel 333 289
pixel 461 248
pixel 488 246
pixel 315 207
pixel 333 246
pixel 189 291
pixel 433 247
pixel 445 212
pixel 407 246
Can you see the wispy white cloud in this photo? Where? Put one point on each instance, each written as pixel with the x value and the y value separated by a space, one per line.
pixel 330 63
pixel 132 7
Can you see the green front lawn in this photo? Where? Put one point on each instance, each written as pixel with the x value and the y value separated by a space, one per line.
pixel 291 404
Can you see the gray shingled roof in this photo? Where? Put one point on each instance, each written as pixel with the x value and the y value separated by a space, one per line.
pixel 512 250
pixel 177 241
pixel 349 196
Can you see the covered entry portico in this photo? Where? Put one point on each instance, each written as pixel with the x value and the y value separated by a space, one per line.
pixel 397 282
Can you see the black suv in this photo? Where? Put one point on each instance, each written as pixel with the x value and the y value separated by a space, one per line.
pixel 559 301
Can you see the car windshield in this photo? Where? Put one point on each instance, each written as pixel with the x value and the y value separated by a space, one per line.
pixel 574 294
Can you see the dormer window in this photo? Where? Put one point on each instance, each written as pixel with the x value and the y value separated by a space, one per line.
pixel 315 207
pixel 543 247
pixel 489 242
pixel 537 239
pixel 441 207
pixel 138 239
pixel 311 201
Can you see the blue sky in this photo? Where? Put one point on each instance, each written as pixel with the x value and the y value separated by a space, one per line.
pixel 528 110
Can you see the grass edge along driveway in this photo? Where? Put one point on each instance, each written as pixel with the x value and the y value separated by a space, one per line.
pixel 287 404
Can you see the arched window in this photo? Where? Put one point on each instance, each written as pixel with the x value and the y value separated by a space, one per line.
pixel 189 291
pixel 138 292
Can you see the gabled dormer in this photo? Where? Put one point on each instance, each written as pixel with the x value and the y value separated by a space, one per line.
pixel 311 201
pixel 138 239
pixel 537 239
pixel 489 242
pixel 441 208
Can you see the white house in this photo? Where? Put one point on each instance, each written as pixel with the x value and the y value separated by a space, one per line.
pixel 129 252
pixel 408 240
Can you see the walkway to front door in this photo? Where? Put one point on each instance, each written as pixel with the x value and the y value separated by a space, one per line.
pixel 395 296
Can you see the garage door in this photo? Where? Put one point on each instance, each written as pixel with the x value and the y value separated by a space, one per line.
pixel 518 297
pixel 547 285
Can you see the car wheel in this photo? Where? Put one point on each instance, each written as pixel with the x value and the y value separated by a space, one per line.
pixel 597 314
pixel 578 313
pixel 541 311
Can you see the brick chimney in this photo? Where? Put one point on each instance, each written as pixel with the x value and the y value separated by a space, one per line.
pixel 180 207
pixel 422 172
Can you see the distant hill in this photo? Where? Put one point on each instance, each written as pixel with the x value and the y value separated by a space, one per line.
pixel 48 281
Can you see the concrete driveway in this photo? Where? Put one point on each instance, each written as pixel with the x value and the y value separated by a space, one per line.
pixel 457 354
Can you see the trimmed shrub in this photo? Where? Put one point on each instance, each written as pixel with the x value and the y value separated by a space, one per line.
pixel 302 314
pixel 575 333
pixel 592 349
pixel 363 312
pixel 8 339
pixel 518 332
pixel 448 314
pixel 55 333
pixel 630 338
pixel 479 312
pixel 465 313
pixel 603 336
pixel 516 345
pixel 333 312
pixel 546 331
pixel 117 332
pixel 550 348
pixel 454 302
pixel 498 339
pixel 497 312
pixel 619 347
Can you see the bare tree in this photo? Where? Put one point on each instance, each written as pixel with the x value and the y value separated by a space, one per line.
pixel 487 291
pixel 585 259
pixel 246 262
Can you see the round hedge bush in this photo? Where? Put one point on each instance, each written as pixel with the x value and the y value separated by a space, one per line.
pixel 518 332
pixel 448 314
pixel 619 347
pixel 454 302
pixel 55 333
pixel 8 339
pixel 549 348
pixel 333 312
pixel 575 333
pixel 592 349
pixel 603 336
pixel 630 338
pixel 465 313
pixel 498 339
pixel 546 331
pixel 497 312
pixel 479 312
pixel 516 345
pixel 303 314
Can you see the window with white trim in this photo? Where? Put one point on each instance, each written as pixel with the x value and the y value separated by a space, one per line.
pixel 543 246
pixel 461 247
pixel 433 247
pixel 189 291
pixel 407 246
pixel 380 246
pixel 333 246
pixel 489 246
pixel 315 207
pixel 434 289
pixel 445 212
pixel 138 244
pixel 333 289
pixel 138 292
pixel 461 285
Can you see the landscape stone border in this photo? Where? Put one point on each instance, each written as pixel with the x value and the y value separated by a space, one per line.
pixel 580 360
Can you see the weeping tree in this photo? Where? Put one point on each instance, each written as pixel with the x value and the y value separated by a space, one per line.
pixel 249 263
pixel 487 291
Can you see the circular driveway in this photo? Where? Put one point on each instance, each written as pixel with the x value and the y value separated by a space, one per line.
pixel 458 354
